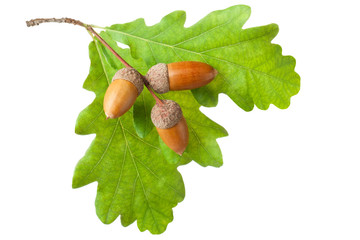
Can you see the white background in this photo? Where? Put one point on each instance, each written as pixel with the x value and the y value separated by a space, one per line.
pixel 287 174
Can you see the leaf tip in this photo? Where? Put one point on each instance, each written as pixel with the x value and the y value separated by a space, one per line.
pixel 241 8
pixel 78 128
pixel 75 183
pixel 217 164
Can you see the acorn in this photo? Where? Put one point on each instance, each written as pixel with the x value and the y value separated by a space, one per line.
pixel 180 76
pixel 171 125
pixel 121 94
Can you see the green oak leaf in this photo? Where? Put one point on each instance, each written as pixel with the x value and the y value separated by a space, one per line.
pixel 251 69
pixel 137 176
pixel 136 172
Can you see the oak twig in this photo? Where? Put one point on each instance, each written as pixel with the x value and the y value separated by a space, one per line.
pixel 38 21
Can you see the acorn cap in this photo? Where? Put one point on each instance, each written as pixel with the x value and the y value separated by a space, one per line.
pixel 158 78
pixel 166 115
pixel 131 75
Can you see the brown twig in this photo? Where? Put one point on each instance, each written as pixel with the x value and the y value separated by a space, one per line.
pixel 37 21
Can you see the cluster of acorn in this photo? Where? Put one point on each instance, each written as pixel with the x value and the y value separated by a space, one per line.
pixel 166 115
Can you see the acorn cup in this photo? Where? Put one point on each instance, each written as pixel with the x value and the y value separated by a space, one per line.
pixel 121 94
pixel 171 125
pixel 179 76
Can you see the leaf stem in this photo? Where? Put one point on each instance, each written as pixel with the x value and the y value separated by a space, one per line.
pixel 38 21
pixel 147 85
pixel 88 27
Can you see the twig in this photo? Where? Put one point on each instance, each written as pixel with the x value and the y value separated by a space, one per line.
pixel 37 21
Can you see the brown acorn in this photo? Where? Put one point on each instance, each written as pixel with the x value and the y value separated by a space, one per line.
pixel 180 76
pixel 121 94
pixel 171 125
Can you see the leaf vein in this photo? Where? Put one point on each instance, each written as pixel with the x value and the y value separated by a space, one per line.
pixel 140 139
pixel 198 139
pixel 211 29
pixel 102 62
pixel 103 154
pixel 235 44
pixel 117 186
pixel 138 174
pixel 155 175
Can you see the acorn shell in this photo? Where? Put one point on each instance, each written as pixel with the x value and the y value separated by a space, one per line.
pixel 158 78
pixel 121 94
pixel 166 115
pixel 131 75
pixel 177 76
pixel 176 137
pixel 119 98
pixel 189 75
pixel 171 125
